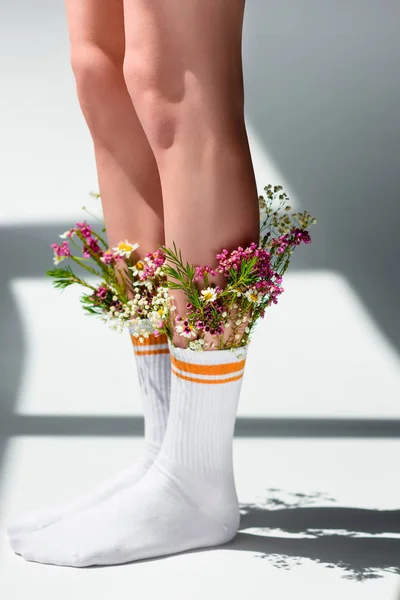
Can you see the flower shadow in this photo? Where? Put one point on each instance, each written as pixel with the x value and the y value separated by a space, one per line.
pixel 361 543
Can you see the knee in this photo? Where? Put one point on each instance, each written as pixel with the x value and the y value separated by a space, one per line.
pixel 176 104
pixel 156 92
pixel 97 77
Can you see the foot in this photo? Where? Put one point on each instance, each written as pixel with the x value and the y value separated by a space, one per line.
pixel 40 518
pixel 168 511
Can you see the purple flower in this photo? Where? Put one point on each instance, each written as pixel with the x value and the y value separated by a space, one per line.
pixel 61 250
pixel 229 261
pixel 101 292
pixel 153 262
pixel 91 247
pixel 85 229
pixel 107 258
pixel 200 272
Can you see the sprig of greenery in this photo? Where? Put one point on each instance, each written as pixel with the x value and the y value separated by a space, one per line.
pixel 181 275
pixel 64 277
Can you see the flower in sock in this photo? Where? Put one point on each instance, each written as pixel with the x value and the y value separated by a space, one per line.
pixel 153 265
pixel 61 251
pixel 85 229
pixel 137 268
pixel 67 234
pixel 125 249
pixel 225 316
pixel 216 316
pixel 209 294
pixel 202 271
pixel 108 258
pixel 253 295
pixel 197 345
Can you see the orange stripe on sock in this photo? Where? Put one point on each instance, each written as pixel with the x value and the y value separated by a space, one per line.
pixel 152 340
pixel 193 369
pixel 161 351
pixel 196 380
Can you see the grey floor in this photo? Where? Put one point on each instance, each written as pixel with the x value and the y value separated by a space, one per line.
pixel 318 431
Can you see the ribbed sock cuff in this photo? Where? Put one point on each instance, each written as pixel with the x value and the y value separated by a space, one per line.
pixel 213 366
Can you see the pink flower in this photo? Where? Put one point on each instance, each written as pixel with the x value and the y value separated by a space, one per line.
pixel 107 258
pixel 229 261
pixel 85 229
pixel 200 272
pixel 153 262
pixel 94 245
pixel 91 247
pixel 101 292
pixel 61 251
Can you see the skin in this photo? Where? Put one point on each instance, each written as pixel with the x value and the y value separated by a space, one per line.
pixel 160 84
pixel 129 181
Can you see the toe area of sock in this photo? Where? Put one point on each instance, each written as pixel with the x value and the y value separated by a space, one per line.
pixel 42 548
pixel 21 525
pixel 29 522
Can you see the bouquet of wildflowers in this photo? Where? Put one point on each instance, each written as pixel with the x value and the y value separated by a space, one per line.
pixel 222 317
pixel 125 291
pixel 138 293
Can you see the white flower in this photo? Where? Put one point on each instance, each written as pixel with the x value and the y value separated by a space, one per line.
pixel 66 234
pixel 253 295
pixel 141 328
pixel 238 352
pixel 137 269
pixel 197 345
pixel 209 294
pixel 125 248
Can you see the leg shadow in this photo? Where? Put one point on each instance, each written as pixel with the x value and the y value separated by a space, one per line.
pixel 361 543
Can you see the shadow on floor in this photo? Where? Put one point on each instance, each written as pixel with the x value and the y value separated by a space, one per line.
pixel 337 537
pixel 258 427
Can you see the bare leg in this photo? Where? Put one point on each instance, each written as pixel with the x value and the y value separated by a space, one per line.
pixel 183 72
pixel 131 196
pixel 183 69
pixel 127 171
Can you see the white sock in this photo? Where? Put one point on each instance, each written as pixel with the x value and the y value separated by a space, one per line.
pixel 186 500
pixel 154 371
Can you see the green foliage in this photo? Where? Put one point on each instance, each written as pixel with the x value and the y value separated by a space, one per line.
pixel 64 277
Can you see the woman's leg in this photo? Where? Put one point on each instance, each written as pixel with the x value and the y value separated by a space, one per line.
pixel 127 171
pixel 183 71
pixel 131 196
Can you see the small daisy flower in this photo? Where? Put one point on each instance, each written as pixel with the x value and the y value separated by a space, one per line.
pixel 137 269
pixel 125 249
pixel 209 294
pixel 253 295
